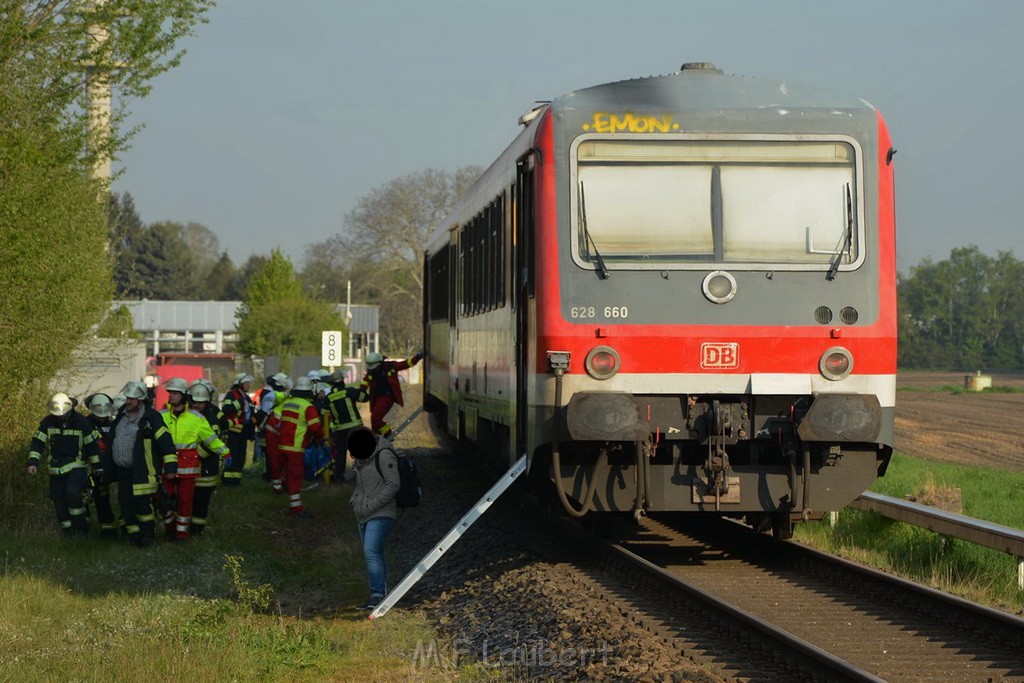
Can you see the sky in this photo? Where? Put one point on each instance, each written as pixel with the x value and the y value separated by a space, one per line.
pixel 283 115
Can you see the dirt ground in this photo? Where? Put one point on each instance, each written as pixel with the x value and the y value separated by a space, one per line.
pixel 972 428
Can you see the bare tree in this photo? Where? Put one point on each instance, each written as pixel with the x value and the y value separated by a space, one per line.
pixel 381 249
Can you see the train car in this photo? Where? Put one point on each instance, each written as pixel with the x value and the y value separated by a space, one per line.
pixel 676 293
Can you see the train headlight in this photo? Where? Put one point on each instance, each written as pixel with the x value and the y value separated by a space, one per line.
pixel 602 362
pixel 836 363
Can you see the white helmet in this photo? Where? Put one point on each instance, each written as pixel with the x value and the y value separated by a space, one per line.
pixel 134 390
pixel 60 405
pixel 118 402
pixel 176 384
pixel 303 384
pixel 373 359
pixel 242 378
pixel 199 393
pixel 99 405
pixel 286 383
pixel 313 375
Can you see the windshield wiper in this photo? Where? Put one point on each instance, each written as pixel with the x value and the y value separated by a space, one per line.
pixel 845 240
pixel 602 268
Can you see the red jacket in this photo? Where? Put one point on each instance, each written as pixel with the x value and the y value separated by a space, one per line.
pixel 391 368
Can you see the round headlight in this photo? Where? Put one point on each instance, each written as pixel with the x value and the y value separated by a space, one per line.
pixel 602 362
pixel 719 287
pixel 836 363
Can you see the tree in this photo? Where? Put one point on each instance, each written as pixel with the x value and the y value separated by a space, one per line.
pixel 287 328
pixel 382 248
pixel 224 280
pixel 964 312
pixel 162 264
pixel 277 319
pixel 53 223
pixel 275 280
pixel 125 230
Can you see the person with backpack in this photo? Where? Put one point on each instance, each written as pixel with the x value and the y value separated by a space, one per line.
pixel 373 502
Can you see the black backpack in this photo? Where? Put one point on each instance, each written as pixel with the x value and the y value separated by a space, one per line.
pixel 409 489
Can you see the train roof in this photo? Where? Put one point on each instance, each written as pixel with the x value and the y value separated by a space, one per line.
pixel 701 85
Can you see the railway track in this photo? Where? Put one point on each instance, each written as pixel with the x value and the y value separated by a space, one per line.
pixel 841 621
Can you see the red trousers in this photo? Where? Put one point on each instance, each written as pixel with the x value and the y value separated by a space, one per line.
pixel 379 408
pixel 185 490
pixel 294 474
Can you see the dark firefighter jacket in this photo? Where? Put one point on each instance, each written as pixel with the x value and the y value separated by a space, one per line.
pixel 153 453
pixel 388 372
pixel 69 445
pixel 342 403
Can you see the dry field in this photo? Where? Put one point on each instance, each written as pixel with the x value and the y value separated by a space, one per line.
pixel 971 428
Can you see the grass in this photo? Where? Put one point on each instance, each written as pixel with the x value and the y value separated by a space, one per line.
pixel 959 567
pixel 955 389
pixel 261 597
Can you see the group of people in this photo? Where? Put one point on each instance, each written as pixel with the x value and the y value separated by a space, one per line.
pixel 170 461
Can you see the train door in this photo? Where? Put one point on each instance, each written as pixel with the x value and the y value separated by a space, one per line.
pixel 523 278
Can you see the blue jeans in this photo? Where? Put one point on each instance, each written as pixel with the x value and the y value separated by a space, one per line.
pixel 373 532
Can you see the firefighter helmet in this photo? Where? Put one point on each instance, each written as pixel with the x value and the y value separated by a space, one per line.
pixel 199 393
pixel 303 384
pixel 242 378
pixel 99 405
pixel 176 384
pixel 337 377
pixel 60 405
pixel 134 390
pixel 373 359
pixel 118 402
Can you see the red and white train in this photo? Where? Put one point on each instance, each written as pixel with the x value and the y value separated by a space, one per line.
pixel 676 293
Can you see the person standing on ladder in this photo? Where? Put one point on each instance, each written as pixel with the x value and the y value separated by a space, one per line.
pixel 382 389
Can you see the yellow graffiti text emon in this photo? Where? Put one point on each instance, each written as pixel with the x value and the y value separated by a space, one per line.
pixel 605 122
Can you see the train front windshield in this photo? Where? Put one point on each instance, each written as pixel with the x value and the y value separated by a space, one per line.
pixel 647 203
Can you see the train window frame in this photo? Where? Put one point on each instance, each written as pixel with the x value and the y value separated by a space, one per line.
pixel 747 143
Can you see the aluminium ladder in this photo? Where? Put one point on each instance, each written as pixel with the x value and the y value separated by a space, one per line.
pixel 417 572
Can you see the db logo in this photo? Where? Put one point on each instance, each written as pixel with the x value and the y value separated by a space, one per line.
pixel 719 355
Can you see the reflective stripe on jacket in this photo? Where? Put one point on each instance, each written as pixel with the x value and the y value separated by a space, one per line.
pixel 189 430
pixel 300 425
pixel 342 404
pixel 68 445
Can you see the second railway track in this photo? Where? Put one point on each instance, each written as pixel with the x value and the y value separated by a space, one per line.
pixel 880 625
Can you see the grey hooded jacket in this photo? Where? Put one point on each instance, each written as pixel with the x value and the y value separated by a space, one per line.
pixel 375 495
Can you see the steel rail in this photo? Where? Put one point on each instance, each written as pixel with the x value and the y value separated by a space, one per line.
pixel 836 664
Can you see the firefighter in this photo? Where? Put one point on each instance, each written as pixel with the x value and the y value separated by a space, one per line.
pixel 239 410
pixel 68 440
pixel 282 386
pixel 141 451
pixel 191 433
pixel 271 398
pixel 101 410
pixel 299 428
pixel 382 389
pixel 344 417
pixel 199 397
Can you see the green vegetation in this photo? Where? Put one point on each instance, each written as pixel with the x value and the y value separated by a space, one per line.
pixel 261 597
pixel 965 312
pixel 957 390
pixel 277 319
pixel 952 565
